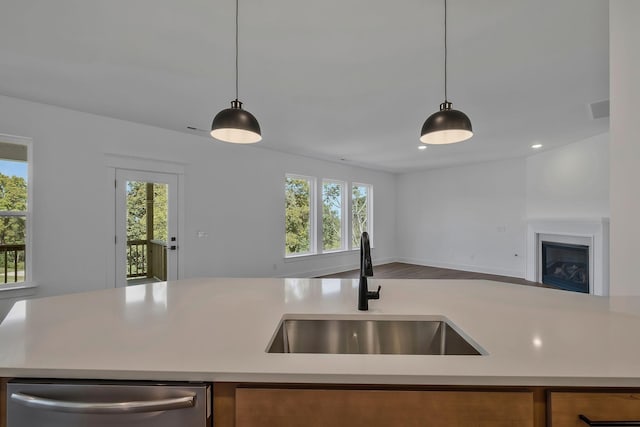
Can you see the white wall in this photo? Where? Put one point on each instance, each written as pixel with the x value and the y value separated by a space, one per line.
pixel 234 193
pixel 474 217
pixel 624 62
pixel 571 181
pixel 467 217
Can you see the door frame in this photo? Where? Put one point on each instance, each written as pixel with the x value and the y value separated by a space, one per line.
pixel 112 163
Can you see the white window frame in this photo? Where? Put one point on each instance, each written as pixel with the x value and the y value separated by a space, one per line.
pixel 369 212
pixel 313 217
pixel 27 287
pixel 316 212
pixel 343 214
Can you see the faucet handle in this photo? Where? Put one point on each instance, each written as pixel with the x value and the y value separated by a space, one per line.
pixel 374 294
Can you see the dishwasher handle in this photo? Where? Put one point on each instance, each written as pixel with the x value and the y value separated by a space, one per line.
pixel 130 407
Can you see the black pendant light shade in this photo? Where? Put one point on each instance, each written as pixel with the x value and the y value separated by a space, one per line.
pixel 446 126
pixel 236 125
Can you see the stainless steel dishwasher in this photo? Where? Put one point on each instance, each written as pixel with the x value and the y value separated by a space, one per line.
pixel 45 403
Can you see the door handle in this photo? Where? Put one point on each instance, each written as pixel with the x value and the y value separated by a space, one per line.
pixel 105 408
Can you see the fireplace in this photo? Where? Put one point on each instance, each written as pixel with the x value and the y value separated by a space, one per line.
pixel 578 258
pixel 565 266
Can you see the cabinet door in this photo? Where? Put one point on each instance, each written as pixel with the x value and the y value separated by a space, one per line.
pixel 565 408
pixel 372 408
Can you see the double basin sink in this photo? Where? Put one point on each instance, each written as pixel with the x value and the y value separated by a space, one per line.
pixel 334 335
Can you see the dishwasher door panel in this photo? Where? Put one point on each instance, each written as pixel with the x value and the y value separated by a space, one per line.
pixel 75 404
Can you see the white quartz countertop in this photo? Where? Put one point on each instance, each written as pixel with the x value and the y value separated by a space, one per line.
pixel 218 330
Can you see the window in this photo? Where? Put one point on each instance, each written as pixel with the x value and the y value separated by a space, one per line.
pixel 14 216
pixel 361 202
pixel 317 211
pixel 332 215
pixel 299 215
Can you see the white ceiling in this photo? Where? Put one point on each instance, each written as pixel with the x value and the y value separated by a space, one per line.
pixel 344 80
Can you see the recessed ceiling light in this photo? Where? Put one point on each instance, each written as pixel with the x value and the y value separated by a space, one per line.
pixel 422 147
pixel 536 146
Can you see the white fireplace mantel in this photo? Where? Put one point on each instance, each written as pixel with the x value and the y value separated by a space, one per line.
pixel 594 232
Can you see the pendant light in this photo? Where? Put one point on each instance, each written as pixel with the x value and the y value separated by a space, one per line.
pixel 235 124
pixel 446 126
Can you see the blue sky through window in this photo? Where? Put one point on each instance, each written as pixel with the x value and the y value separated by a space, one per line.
pixel 13 168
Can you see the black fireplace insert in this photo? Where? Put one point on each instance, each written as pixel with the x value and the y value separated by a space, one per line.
pixel 565 266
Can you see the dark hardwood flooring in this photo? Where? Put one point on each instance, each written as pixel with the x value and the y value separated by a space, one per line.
pixel 399 270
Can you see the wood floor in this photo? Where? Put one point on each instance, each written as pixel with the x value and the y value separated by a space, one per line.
pixel 399 270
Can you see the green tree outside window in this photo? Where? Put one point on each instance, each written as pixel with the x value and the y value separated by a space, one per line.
pixel 297 215
pixel 331 216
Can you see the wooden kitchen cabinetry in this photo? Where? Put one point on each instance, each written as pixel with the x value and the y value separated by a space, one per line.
pixel 285 406
pixel 564 408
pixel 248 405
pixel 3 401
pixel 373 408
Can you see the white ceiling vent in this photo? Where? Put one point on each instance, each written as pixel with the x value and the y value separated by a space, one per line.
pixel 599 110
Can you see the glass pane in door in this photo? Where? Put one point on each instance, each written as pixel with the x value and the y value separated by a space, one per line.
pixel 147 231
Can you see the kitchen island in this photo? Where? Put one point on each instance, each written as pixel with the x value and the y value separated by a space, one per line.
pixel 218 330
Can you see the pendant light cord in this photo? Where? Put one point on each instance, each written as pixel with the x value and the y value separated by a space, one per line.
pixel 445 51
pixel 236 50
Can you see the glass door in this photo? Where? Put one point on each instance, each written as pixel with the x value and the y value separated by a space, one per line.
pixel 146 227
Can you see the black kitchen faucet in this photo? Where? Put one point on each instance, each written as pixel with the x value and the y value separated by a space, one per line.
pixel 366 270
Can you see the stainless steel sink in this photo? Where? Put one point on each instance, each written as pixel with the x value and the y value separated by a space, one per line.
pixel 369 336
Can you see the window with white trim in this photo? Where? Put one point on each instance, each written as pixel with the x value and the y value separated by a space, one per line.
pixel 318 213
pixel 300 215
pixel 333 215
pixel 361 212
pixel 14 212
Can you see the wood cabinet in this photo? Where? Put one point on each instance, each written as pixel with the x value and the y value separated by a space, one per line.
pixel 565 407
pixel 284 405
pixel 371 408
pixel 248 405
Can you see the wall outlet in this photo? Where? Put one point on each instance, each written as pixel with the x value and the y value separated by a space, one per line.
pixel 202 234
